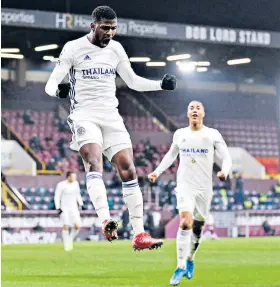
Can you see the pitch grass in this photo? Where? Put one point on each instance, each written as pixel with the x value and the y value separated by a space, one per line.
pixel 253 262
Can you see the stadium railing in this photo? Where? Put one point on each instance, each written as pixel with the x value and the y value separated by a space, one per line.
pixel 9 198
pixel 9 133
pixel 157 112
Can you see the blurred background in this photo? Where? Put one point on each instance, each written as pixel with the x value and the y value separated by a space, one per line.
pixel 225 55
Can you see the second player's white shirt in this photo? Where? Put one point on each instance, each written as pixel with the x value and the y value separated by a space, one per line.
pixel 196 150
pixel 92 72
pixel 68 195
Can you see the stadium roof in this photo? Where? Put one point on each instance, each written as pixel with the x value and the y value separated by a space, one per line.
pixel 247 14
pixel 250 14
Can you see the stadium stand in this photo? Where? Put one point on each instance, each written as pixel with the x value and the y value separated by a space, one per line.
pixel 245 120
pixel 224 197
pixel 49 137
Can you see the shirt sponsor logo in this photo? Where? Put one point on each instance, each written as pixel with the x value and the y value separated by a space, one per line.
pixel 98 73
pixel 194 150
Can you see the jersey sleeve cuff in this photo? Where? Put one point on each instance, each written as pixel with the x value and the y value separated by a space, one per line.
pixel 158 172
pixel 157 85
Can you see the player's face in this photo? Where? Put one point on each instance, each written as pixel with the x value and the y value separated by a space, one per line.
pixel 72 177
pixel 195 112
pixel 105 30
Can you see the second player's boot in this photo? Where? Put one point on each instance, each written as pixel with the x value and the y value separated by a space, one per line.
pixel 177 276
pixel 190 269
pixel 145 241
pixel 110 229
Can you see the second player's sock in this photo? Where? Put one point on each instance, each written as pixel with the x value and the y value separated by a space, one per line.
pixel 74 233
pixel 183 243
pixel 132 196
pixel 98 195
pixel 196 239
pixel 65 238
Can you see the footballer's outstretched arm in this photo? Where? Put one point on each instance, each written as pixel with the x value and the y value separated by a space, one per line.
pixel 138 83
pixel 61 69
pixel 79 197
pixel 223 152
pixel 168 159
pixel 57 196
pixel 141 84
pixel 134 81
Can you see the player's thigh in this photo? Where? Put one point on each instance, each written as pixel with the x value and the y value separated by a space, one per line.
pixel 75 218
pixel 115 135
pixel 202 206
pixel 185 199
pixel 85 132
pixel 65 218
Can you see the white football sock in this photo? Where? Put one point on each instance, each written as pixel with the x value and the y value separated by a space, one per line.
pixel 65 239
pixel 74 232
pixel 132 196
pixel 195 242
pixel 98 195
pixel 183 242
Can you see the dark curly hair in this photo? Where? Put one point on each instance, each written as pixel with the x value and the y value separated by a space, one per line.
pixel 68 173
pixel 103 12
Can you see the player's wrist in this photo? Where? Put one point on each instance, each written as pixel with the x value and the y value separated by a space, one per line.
pixel 158 86
pixel 155 86
pixel 157 172
pixel 225 173
pixel 63 90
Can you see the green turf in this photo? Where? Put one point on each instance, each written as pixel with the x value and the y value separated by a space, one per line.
pixel 253 262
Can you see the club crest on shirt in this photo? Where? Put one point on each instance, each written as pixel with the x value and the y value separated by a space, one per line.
pixel 81 131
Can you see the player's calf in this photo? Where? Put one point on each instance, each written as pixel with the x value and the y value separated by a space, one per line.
pixel 183 240
pixel 196 238
pixel 74 232
pixel 66 238
pixel 186 220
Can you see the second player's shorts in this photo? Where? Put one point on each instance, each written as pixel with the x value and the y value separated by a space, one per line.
pixel 70 217
pixel 196 202
pixel 106 129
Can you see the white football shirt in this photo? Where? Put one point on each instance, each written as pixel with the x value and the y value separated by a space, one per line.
pixel 67 195
pixel 92 72
pixel 197 151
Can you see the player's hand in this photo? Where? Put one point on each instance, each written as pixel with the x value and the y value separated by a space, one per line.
pixel 221 175
pixel 59 211
pixel 168 82
pixel 152 177
pixel 63 90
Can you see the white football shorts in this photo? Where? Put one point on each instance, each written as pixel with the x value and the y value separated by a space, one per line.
pixel 106 129
pixel 196 202
pixel 70 217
